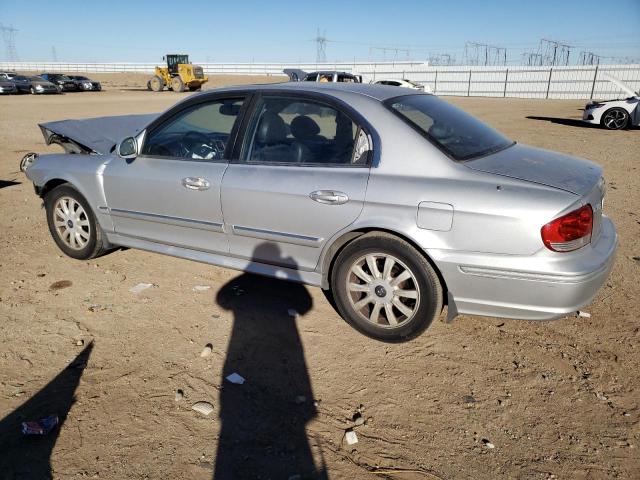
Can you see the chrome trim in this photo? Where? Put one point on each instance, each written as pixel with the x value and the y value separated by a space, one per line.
pixel 531 276
pixel 177 221
pixel 283 237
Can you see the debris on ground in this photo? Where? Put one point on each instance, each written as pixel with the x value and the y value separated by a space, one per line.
pixel 206 351
pixel 358 419
pixel 201 288
pixel 487 443
pixel 235 378
pixel 96 307
pixel 601 396
pixel 204 408
pixel 40 427
pixel 582 314
pixel 60 284
pixel 468 399
pixel 79 343
pixel 179 395
pixel 140 287
pixel 351 437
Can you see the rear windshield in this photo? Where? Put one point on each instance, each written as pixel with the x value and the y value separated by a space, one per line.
pixel 451 129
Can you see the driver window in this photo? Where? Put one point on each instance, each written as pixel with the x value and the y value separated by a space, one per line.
pixel 200 133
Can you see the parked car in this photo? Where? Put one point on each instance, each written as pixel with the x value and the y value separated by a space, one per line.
pixel 615 114
pixel 36 85
pixel 328 76
pixel 393 201
pixel 7 75
pixel 63 81
pixel 84 84
pixel 7 87
pixel 394 82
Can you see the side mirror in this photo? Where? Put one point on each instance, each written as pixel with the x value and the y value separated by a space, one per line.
pixel 127 148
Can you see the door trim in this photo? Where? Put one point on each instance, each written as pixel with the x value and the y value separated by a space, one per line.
pixel 168 220
pixel 273 236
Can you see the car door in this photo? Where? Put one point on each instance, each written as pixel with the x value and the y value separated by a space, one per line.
pixel 300 178
pixel 170 193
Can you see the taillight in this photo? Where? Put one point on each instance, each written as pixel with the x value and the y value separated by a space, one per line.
pixel 570 231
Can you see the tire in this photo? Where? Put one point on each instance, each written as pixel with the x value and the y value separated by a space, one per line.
pixel 615 119
pixel 156 83
pixel 195 88
pixel 76 218
pixel 177 85
pixel 398 317
pixel 32 90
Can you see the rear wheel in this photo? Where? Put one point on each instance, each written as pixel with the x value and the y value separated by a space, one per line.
pixel 72 223
pixel 195 88
pixel 32 90
pixel 385 288
pixel 156 83
pixel 615 119
pixel 177 84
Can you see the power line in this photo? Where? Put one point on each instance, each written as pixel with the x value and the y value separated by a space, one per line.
pixel 8 36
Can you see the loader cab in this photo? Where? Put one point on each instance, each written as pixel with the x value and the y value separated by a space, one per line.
pixel 174 60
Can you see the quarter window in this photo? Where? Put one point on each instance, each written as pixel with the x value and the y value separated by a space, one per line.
pixel 201 133
pixel 301 131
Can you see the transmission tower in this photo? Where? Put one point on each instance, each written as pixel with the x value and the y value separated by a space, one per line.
pixel 321 47
pixel 8 36
pixel 484 54
pixel 554 53
pixel 394 50
pixel 441 59
pixel 54 54
pixel 589 58
pixel 532 59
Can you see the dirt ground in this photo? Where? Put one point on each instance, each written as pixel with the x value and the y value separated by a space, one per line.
pixel 554 399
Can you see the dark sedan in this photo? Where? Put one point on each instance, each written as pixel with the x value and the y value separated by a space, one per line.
pixel 7 87
pixel 85 84
pixel 63 81
pixel 35 85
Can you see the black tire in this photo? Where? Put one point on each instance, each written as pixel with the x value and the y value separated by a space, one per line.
pixel 177 85
pixel 32 90
pixel 424 283
pixel 195 88
pixel 94 246
pixel 156 83
pixel 615 119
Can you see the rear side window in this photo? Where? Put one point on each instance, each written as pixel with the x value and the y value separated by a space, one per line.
pixel 301 131
pixel 453 130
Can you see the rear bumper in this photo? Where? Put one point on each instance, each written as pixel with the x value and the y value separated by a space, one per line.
pixel 543 286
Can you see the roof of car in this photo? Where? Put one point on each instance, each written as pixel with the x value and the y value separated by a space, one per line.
pixel 378 92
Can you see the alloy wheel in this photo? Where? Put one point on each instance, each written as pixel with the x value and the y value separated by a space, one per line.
pixel 71 223
pixel 383 290
pixel 615 119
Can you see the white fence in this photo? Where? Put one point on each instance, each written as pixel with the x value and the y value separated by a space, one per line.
pixel 576 82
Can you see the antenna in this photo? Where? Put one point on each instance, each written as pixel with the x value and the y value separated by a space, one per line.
pixel 8 36
pixel 321 47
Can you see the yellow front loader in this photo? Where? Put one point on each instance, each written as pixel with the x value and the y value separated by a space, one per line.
pixel 179 75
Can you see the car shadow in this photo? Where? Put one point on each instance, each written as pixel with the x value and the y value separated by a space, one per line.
pixel 30 456
pixel 262 433
pixel 570 122
pixel 8 183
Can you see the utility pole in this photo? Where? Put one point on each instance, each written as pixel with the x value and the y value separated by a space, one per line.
pixel 321 47
pixel 8 36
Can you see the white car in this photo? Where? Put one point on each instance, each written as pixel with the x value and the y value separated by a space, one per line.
pixel 614 114
pixel 394 82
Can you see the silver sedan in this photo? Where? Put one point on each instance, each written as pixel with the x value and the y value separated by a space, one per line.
pixel 394 202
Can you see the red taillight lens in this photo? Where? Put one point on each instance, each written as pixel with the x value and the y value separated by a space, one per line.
pixel 570 231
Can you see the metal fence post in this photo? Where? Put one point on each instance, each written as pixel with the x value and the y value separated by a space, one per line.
pixel 549 81
pixel 469 86
pixel 506 79
pixel 593 85
pixel 435 83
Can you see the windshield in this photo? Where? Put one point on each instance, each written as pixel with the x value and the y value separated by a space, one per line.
pixel 20 78
pixel 451 129
pixel 37 79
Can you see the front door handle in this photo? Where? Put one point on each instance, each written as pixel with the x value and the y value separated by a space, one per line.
pixel 329 197
pixel 196 183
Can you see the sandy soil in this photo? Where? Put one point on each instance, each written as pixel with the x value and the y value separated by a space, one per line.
pixel 556 399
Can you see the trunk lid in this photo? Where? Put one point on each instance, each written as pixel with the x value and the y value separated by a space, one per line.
pixel 540 166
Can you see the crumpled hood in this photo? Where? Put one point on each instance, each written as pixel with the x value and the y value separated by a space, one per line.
pixel 545 167
pixel 97 134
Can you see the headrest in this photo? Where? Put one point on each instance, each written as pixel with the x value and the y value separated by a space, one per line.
pixel 303 127
pixel 271 129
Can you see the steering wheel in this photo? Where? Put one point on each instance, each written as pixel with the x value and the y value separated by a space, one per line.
pixel 198 145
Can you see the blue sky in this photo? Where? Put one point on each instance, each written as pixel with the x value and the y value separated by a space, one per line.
pixel 244 31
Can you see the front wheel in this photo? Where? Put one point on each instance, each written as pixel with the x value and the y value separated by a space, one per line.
pixel 385 288
pixel 615 119
pixel 72 223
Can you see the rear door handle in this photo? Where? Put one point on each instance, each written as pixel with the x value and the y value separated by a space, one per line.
pixel 196 183
pixel 329 197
